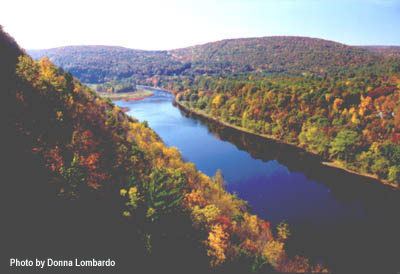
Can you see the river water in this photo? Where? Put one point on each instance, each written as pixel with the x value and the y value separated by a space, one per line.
pixel 345 221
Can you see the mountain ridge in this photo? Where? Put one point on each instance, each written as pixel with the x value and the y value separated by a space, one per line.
pixel 270 54
pixel 227 39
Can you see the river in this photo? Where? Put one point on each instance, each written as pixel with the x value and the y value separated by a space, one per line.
pixel 345 221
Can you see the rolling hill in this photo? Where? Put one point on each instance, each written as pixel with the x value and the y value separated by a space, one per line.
pixel 279 54
pixel 97 64
pixel 388 51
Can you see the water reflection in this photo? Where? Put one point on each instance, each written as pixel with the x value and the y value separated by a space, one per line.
pixel 344 185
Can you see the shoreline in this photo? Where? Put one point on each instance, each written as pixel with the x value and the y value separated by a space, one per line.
pixel 322 162
pixel 127 96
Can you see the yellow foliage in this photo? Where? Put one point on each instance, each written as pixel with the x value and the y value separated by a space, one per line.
pixel 273 251
pixel 251 222
pixel 133 191
pixel 375 147
pixel 206 214
pixel 132 195
pixel 283 231
pixel 232 109
pixel 48 73
pixel 245 115
pixel 123 192
pixel 217 244
pixel 217 101
pixel 150 212
pixel 328 97
pixel 364 105
pixel 354 118
pixel 47 70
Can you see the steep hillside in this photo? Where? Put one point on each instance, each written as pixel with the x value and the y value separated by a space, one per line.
pixel 283 55
pixel 97 183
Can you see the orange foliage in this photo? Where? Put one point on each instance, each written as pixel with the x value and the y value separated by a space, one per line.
pixel 91 161
pixel 337 103
pixel 194 198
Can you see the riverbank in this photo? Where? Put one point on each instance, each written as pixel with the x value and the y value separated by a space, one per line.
pixel 336 165
pixel 127 96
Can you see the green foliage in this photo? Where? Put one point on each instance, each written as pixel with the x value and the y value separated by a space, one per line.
pixel 380 167
pixel 314 138
pixel 73 176
pixel 394 174
pixel 344 144
pixel 163 192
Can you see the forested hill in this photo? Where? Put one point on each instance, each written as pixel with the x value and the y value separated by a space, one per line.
pixel 284 55
pixel 97 64
pixel 388 51
pixel 277 54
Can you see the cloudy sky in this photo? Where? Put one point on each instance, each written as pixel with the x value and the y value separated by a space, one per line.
pixel 164 24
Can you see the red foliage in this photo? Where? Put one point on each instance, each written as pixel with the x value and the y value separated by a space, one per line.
pixel 396 138
pixel 225 222
pixel 36 149
pixel 381 91
pixel 96 179
pixel 91 161
pixel 195 198
pixel 54 160
pixel 249 246
pixel 265 225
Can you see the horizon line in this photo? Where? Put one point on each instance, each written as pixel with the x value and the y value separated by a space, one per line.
pixel 215 41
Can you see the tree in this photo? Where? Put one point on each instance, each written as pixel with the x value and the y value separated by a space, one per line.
pixel 380 167
pixel 314 138
pixel 219 178
pixel 217 244
pixel 344 144
pixel 163 192
pixel 394 174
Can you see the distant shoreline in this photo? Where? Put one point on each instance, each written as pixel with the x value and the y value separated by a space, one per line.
pixel 325 163
pixel 127 96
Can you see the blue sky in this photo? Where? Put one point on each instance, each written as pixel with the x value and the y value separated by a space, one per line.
pixel 163 24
